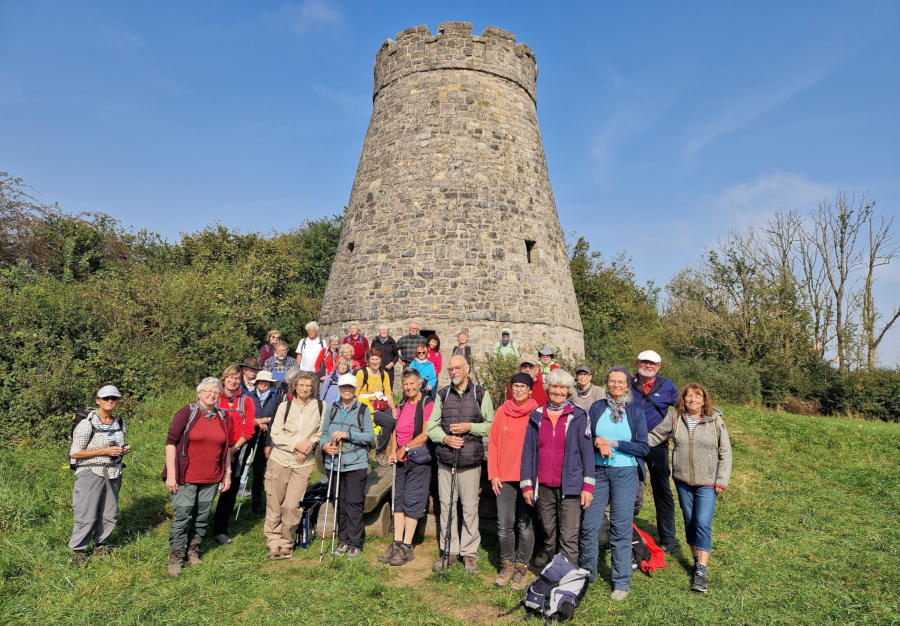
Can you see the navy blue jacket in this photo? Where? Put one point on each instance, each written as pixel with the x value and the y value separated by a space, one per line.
pixel 655 404
pixel 578 453
pixel 638 446
pixel 266 409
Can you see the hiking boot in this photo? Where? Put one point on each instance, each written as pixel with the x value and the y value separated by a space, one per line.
pixel 285 553
pixel 541 559
pixel 389 553
pixel 274 553
pixel 698 582
pixel 80 557
pixel 176 562
pixel 101 550
pixel 506 573
pixel 471 564
pixel 223 538
pixel 520 578
pixel 618 595
pixel 353 552
pixel 382 459
pixel 444 562
pixel 341 550
pixel 193 554
pixel 402 556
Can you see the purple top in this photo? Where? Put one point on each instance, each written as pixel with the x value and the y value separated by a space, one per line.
pixel 551 450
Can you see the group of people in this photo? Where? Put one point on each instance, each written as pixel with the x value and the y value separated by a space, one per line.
pixel 559 452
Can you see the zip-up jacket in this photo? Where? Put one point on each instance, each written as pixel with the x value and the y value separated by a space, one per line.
pixel 699 459
pixel 656 402
pixel 578 455
pixel 356 445
pixel 637 447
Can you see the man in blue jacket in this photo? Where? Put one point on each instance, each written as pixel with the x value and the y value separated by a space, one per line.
pixel 656 395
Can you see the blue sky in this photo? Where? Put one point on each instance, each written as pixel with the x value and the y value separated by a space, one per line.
pixel 665 124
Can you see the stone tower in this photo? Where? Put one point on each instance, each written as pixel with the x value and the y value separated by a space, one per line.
pixel 451 220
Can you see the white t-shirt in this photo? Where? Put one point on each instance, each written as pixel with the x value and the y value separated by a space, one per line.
pixel 308 351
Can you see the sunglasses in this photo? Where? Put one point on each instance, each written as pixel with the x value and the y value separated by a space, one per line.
pixel 110 399
pixel 421 353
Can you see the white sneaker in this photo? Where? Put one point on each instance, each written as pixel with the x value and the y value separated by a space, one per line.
pixel 618 595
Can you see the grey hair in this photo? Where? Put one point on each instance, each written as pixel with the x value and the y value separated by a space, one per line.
pixel 383 327
pixel 292 376
pixel 628 397
pixel 561 378
pixel 312 324
pixel 334 338
pixel 411 372
pixel 209 380
pixel 281 342
pixel 345 361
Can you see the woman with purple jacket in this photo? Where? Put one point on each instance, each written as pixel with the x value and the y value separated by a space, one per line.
pixel 558 467
pixel 619 435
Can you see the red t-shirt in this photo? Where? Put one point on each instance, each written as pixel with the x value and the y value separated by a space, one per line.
pixel 649 385
pixel 205 442
pixel 245 425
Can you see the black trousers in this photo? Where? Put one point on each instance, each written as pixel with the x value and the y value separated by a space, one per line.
pixel 225 506
pixel 259 472
pixel 351 496
pixel 387 423
pixel 560 517
pixel 658 467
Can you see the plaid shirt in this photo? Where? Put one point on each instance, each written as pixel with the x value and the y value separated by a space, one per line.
pixel 407 345
pixel 82 440
pixel 274 366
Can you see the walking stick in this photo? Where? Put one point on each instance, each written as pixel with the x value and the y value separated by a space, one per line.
pixel 445 562
pixel 325 522
pixel 337 493
pixel 245 475
pixel 393 491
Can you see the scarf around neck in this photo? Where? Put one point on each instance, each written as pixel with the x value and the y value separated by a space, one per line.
pixel 511 409
pixel 616 410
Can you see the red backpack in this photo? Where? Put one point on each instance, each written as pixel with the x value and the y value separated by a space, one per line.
pixel 645 554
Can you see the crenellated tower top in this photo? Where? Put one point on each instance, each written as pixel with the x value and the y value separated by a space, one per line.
pixel 454 47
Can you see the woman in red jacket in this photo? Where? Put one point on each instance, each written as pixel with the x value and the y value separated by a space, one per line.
pixel 198 463
pixel 504 471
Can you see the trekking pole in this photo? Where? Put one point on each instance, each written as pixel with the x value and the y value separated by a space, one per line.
pixel 445 562
pixel 393 491
pixel 245 475
pixel 337 493
pixel 325 522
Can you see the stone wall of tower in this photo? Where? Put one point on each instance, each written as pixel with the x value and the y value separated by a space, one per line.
pixel 451 220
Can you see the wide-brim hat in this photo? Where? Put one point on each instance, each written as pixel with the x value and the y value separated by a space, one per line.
pixel 526 358
pixel 251 364
pixel 546 350
pixel 264 376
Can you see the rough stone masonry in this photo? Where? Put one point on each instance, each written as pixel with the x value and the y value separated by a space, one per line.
pixel 451 220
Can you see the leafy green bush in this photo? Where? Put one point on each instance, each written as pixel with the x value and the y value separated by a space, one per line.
pixel 871 395
pixel 734 382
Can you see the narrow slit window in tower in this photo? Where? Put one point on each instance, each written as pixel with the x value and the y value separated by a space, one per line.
pixel 529 246
pixel 350 246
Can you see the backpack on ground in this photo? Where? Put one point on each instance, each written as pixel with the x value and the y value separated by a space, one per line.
pixel 81 415
pixel 558 590
pixel 645 554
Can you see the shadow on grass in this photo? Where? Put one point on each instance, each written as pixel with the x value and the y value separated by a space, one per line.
pixel 144 514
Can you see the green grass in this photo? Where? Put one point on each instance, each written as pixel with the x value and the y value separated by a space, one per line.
pixel 807 533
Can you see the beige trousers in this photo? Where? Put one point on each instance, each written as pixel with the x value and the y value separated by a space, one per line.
pixel 285 488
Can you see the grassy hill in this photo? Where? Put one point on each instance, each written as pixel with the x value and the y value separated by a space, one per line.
pixel 807 533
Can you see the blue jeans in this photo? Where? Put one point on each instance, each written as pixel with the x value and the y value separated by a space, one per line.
pixel 615 486
pixel 697 506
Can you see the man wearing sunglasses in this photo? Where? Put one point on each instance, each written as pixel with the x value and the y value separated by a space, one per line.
pixel 95 453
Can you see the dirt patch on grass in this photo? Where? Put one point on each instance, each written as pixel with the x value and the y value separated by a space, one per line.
pixel 418 575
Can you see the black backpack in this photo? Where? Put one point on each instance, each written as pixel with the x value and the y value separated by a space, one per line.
pixel 81 415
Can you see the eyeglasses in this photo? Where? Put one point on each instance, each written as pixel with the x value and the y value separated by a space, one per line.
pixel 418 352
pixel 110 399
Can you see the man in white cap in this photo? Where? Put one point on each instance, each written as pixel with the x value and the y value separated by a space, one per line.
pixel 656 395
pixel 95 453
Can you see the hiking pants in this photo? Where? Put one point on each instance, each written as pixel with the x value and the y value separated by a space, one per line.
pixel 657 461
pixel 191 504
pixel 225 507
pixel 468 482
pixel 697 507
pixel 285 488
pixel 513 513
pixel 351 497
pixel 95 504
pixel 614 486
pixel 561 520
pixel 259 472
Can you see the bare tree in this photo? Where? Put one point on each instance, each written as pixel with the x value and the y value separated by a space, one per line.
pixel 836 226
pixel 882 249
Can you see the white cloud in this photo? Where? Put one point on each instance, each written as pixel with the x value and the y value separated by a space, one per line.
pixel 304 16
pixel 750 203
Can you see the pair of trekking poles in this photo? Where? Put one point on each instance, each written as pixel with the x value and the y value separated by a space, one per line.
pixel 337 493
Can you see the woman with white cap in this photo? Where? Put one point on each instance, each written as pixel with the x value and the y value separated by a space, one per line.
pixel 95 453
